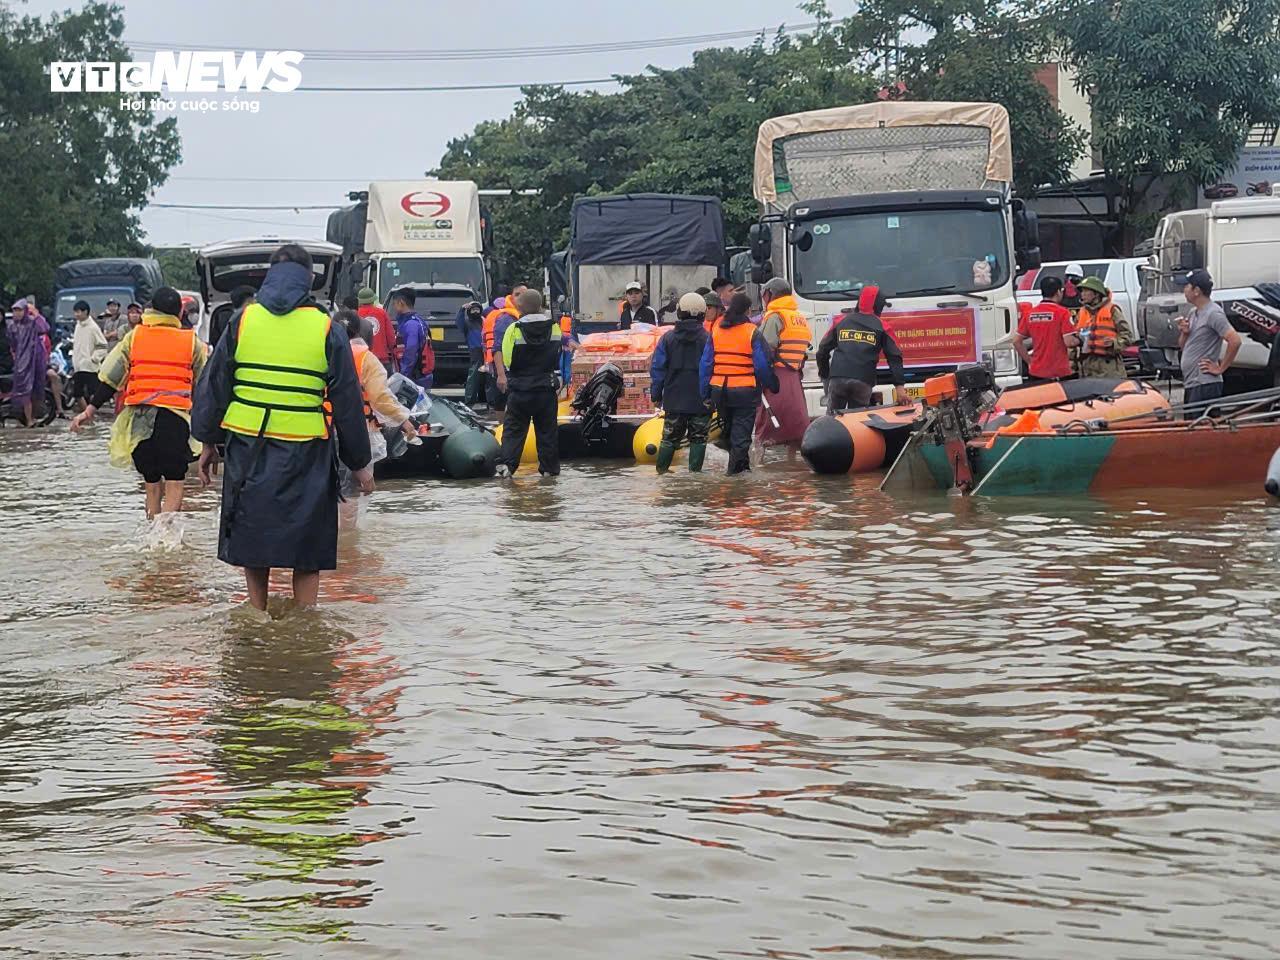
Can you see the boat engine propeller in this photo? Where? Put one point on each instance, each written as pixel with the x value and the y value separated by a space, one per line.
pixel 954 405
pixel 597 399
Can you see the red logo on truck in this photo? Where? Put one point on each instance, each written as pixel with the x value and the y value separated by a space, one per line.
pixel 425 203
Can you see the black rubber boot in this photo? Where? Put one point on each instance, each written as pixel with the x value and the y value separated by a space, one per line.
pixel 697 453
pixel 666 453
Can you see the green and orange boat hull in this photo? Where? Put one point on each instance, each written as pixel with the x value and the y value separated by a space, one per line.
pixel 1055 464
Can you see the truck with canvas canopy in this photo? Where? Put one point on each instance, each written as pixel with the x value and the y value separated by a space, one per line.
pixel 914 198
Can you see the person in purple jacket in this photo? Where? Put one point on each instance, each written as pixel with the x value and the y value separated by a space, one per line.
pixel 416 336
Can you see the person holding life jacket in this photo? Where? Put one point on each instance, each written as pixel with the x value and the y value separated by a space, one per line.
pixel 850 353
pixel 156 364
pixel 786 334
pixel 527 363
pixel 281 392
pixel 419 360
pixel 674 384
pixel 735 367
pixel 1101 332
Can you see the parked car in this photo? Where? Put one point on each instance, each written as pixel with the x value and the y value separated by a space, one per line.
pixel 227 264
pixel 1221 191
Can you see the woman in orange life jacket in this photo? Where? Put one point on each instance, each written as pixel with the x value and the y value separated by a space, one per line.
pixel 786 334
pixel 735 367
pixel 161 362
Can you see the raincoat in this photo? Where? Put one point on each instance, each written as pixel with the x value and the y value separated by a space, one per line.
pixel 135 424
pixel 29 356
pixel 280 497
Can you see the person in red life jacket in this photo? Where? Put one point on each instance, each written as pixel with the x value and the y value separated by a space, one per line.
pixel 419 360
pixel 786 334
pixel 851 350
pixel 383 344
pixel 674 375
pixel 735 367
pixel 158 364
pixel 715 310
pixel 633 309
pixel 1046 325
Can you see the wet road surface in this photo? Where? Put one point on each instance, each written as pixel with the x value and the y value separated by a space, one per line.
pixel 779 716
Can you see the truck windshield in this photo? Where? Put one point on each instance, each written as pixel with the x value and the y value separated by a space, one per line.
pixel 949 251
pixel 97 300
pixel 457 271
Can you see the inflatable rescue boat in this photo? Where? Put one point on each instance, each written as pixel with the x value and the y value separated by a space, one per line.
pixel 859 441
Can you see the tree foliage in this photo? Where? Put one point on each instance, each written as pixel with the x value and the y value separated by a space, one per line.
pixel 976 50
pixel 178 264
pixel 1174 87
pixel 77 167
pixel 693 129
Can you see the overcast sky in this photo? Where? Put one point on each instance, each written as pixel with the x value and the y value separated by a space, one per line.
pixel 335 142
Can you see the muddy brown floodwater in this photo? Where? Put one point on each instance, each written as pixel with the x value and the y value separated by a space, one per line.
pixel 616 716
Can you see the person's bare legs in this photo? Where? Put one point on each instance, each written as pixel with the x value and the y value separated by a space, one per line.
pixel 172 496
pixel 155 497
pixel 28 418
pixel 55 385
pixel 256 580
pixel 306 587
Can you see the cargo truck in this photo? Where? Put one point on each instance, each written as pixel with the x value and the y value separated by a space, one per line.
pixel 124 279
pixel 915 198
pixel 430 235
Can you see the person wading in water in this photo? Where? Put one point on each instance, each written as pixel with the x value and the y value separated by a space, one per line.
pixel 264 395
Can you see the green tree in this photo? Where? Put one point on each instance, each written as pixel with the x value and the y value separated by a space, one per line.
pixel 974 50
pixel 1174 89
pixel 77 167
pixel 178 264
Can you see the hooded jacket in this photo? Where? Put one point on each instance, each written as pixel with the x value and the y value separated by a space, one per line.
pixel 676 366
pixel 852 348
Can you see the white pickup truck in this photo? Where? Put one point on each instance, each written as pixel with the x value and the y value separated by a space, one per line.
pixel 1121 276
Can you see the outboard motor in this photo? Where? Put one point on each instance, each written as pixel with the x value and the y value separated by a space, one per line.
pixel 955 404
pixel 1273 475
pixel 597 400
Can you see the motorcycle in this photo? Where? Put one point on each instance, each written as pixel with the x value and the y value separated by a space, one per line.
pixel 1260 189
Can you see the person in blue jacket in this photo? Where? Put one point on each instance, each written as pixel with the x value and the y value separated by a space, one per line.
pixel 675 384
pixel 470 323
pixel 418 362
pixel 735 367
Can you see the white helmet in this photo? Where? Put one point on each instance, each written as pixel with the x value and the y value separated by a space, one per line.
pixel 1073 270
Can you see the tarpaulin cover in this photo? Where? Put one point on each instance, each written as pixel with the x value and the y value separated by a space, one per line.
pixel 558 275
pixel 647 228
pixel 143 276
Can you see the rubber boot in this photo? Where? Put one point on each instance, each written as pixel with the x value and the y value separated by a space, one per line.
pixel 666 453
pixel 697 453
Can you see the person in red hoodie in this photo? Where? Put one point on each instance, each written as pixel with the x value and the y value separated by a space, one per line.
pixel 383 344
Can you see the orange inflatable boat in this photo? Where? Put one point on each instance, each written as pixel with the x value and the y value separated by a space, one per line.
pixel 871 438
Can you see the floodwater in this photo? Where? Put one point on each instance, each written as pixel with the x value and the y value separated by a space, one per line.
pixel 776 716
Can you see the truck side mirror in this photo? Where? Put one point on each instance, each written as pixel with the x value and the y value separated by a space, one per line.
pixel 1029 258
pixel 760 239
pixel 1188 256
pixel 762 272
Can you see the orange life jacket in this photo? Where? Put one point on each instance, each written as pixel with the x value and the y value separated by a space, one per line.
pixel 566 324
pixel 793 341
pixel 160 368
pixel 1099 326
pixel 734 367
pixel 357 354
pixel 488 327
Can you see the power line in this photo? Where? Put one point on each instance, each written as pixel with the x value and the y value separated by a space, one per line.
pixel 505 53
pixel 456 87
pixel 356 179
pixel 244 206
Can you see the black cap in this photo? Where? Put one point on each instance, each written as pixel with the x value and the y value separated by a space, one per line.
pixel 167 300
pixel 1196 278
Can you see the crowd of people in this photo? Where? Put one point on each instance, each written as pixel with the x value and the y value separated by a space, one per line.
pixel 1077 330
